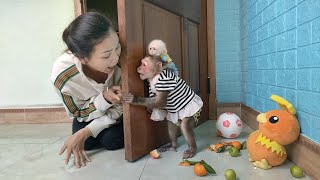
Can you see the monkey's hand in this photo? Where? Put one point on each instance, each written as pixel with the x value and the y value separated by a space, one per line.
pixel 128 98
pixel 149 109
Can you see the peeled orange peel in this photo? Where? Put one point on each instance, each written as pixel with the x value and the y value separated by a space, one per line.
pixel 235 144
pixel 219 147
pixel 222 146
pixel 283 104
pixel 155 154
pixel 184 163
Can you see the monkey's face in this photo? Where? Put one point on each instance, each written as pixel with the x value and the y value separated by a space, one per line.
pixel 156 48
pixel 148 68
pixel 153 49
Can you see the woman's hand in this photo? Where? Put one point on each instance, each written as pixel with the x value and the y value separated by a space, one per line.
pixel 113 94
pixel 75 145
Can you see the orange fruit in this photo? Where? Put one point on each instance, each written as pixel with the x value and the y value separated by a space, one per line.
pixel 218 146
pixel 154 154
pixel 226 143
pixel 199 170
pixel 236 144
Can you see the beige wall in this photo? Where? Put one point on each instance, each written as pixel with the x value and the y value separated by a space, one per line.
pixel 30 41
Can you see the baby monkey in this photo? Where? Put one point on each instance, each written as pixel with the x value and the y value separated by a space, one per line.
pixel 171 99
pixel 158 48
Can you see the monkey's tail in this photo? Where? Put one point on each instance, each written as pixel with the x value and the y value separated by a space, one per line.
pixel 197 116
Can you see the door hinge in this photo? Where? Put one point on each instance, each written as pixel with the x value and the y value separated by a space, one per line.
pixel 208 85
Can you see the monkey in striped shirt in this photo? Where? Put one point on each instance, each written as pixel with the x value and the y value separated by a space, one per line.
pixel 171 99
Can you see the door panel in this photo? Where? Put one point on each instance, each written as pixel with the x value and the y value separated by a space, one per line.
pixel 185 8
pixel 192 59
pixel 162 24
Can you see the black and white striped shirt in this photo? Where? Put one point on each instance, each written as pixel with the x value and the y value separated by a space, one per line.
pixel 180 93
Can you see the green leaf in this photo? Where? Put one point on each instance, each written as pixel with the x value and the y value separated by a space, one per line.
pixel 192 162
pixel 208 168
pixel 244 145
pixel 221 149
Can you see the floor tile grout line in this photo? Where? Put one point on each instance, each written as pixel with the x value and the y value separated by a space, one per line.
pixel 61 138
pixel 144 168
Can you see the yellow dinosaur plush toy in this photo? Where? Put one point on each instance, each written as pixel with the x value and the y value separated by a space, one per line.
pixel 276 129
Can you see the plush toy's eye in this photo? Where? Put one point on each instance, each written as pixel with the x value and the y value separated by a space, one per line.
pixel 273 119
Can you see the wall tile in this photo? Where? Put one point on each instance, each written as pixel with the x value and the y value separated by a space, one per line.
pixel 287 40
pixel 315 74
pixel 262 62
pixel 308 10
pixel 252 88
pixel 278 91
pixel 257 22
pixel 291 96
pixel 309 56
pixel 263 32
pixel 270 77
pixel 269 13
pixel 309 102
pixel 287 78
pixel 252 10
pixel 315 128
pixel 269 45
pixel 304 79
pixel 258 103
pixel 291 18
pixel 261 5
pixel 270 105
pixel 276 26
pixel 316 30
pixel 305 124
pixel 277 60
pixel 304 36
pixel 263 91
pixel 290 59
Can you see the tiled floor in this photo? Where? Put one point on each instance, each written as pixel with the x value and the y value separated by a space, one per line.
pixel 30 152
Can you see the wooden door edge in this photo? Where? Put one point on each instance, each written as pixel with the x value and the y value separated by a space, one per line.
pixel 80 6
pixel 211 60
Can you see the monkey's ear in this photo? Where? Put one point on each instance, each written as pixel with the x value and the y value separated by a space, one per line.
pixel 165 51
pixel 159 65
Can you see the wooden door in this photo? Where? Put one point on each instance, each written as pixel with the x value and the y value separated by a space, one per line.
pixel 182 24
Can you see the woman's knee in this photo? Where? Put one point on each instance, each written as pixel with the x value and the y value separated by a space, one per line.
pixel 112 138
pixel 114 144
